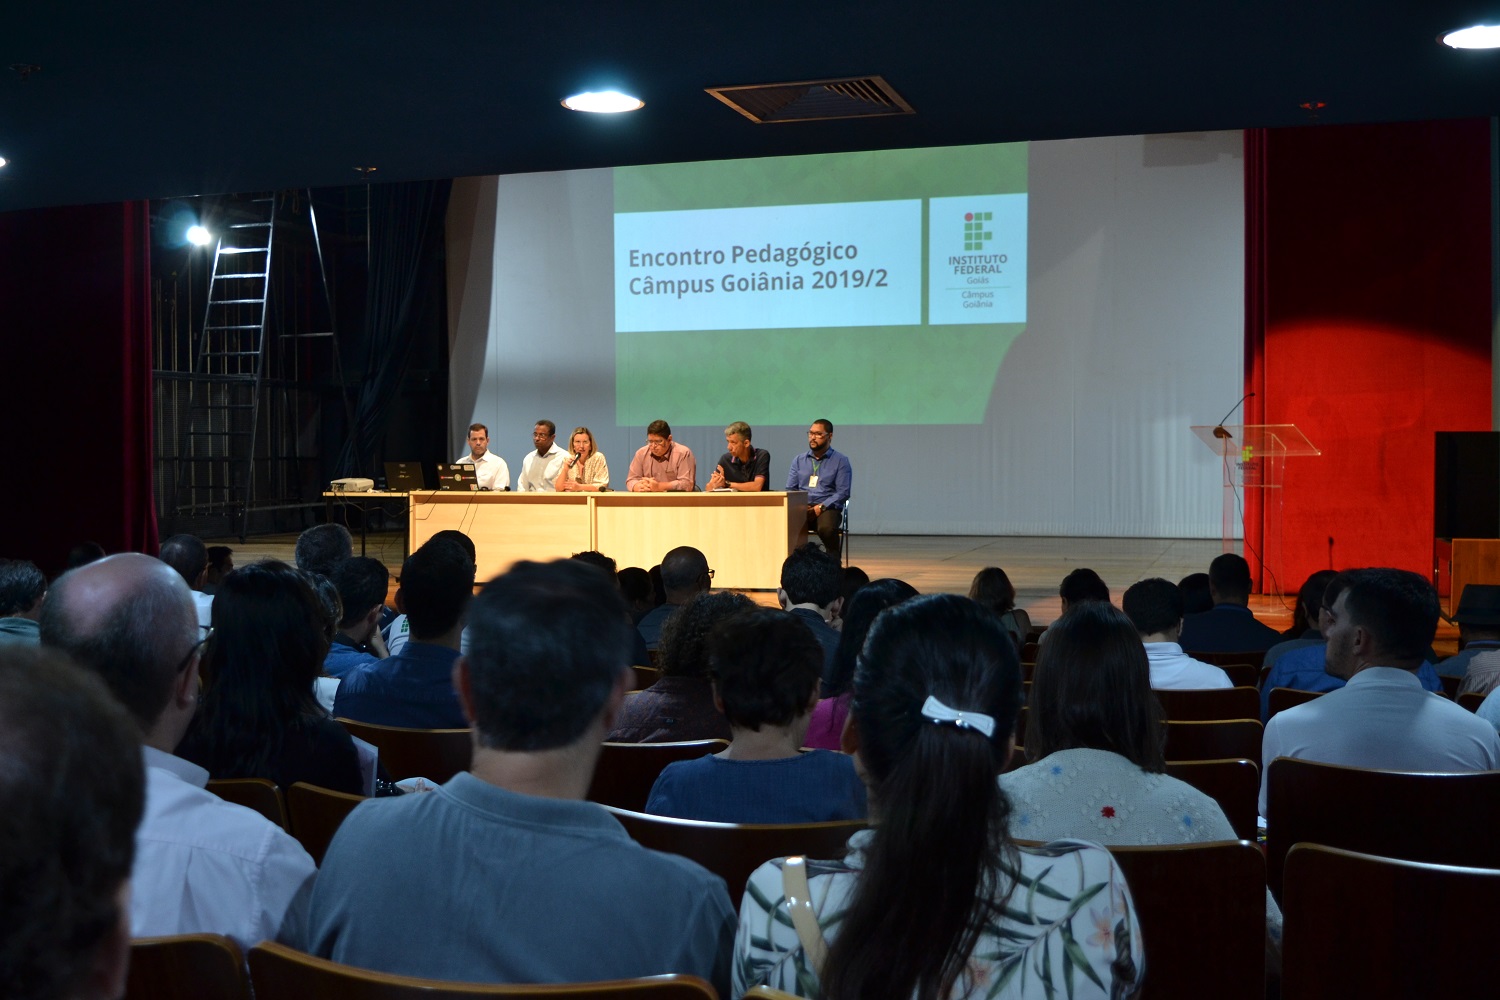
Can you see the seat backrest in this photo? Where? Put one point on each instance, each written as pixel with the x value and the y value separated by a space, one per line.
pixel 316 814
pixel 1450 684
pixel 434 754
pixel 1029 651
pixel 626 771
pixel 259 794
pixel 1225 738
pixel 1242 674
pixel 1210 704
pixel 766 993
pixel 1202 909
pixel 644 677
pixel 1254 657
pixel 1281 699
pixel 279 971
pixel 1233 784
pixel 186 967
pixel 1444 819
pixel 1358 925
pixel 734 850
pixel 1471 700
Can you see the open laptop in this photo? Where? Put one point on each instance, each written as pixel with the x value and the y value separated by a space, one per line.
pixel 404 477
pixel 457 477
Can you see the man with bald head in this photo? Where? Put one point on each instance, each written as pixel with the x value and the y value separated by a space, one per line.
pixel 684 575
pixel 202 865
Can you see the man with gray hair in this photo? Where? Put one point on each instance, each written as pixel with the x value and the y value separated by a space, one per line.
pixel 322 547
pixel 743 467
pixel 202 865
pixel 23 588
pixel 189 556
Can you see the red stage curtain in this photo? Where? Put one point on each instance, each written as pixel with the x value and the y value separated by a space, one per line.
pixel 1368 325
pixel 75 301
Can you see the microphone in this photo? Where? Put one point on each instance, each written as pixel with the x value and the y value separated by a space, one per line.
pixel 1219 431
pixel 576 456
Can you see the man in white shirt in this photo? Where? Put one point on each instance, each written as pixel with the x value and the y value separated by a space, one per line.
pixel 1379 629
pixel 490 469
pixel 189 556
pixel 1154 607
pixel 202 865
pixel 539 468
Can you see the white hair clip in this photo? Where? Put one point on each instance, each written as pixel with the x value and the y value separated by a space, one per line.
pixel 938 712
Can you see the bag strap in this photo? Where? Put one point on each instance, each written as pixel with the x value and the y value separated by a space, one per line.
pixel 798 895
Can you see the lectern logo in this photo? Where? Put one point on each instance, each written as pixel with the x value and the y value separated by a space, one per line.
pixel 976 230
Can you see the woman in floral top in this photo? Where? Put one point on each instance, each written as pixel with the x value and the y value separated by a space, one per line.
pixel 588 472
pixel 936 901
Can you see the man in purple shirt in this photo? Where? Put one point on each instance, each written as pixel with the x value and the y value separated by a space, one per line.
pixel 662 465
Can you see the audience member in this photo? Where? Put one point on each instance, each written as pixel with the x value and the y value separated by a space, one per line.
pixel 811 581
pixel 322 547
pixel 1196 597
pixel 1083 584
pixel 765 668
pixel 1229 627
pixel 1378 630
pixel 826 729
pixel 71 791
pixel 362 584
pixel 1478 659
pixel 992 589
pixel 640 596
pixel 1154 607
pixel 189 556
pixel 258 717
pixel 1305 630
pixel 84 553
pixel 396 629
pixel 202 865
pixel 220 565
pixel 413 688
pixel 23 590
pixel 854 578
pixel 639 654
pixel 505 874
pixel 684 575
pixel 935 900
pixel 1094 739
pixel 680 706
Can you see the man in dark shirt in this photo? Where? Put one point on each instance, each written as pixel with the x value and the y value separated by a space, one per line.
pixel 1229 627
pixel 684 575
pixel 743 467
pixel 812 584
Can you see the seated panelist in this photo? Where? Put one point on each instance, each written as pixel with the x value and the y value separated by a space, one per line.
pixel 743 466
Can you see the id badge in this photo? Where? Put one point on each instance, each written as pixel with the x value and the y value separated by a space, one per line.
pixel 812 482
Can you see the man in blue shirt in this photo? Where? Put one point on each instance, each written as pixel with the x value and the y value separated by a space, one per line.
pixel 827 478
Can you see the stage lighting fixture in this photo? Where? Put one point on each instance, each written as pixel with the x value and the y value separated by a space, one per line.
pixel 198 236
pixel 603 102
pixel 1480 36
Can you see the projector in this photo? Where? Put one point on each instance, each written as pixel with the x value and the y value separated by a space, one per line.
pixel 355 484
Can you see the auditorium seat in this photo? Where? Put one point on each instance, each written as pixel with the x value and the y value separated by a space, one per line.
pixel 1281 699
pixel 316 814
pixel 1444 819
pixel 1233 784
pixel 1225 739
pixel 734 850
pixel 1242 674
pixel 644 677
pixel 279 971
pixel 434 754
pixel 1359 925
pixel 1210 703
pixel 186 967
pixel 259 794
pixel 1450 684
pixel 1471 700
pixel 626 771
pixel 1254 657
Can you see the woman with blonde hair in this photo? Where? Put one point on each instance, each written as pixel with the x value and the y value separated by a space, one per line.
pixel 584 470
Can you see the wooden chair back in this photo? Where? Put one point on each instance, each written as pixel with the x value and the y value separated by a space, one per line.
pixel 644 677
pixel 316 814
pixel 626 771
pixel 1210 704
pixel 766 993
pixel 186 967
pixel 1233 784
pixel 1225 739
pixel 1364 926
pixel 259 794
pixel 434 754
pixel 1442 819
pixel 734 850
pixel 1202 909
pixel 279 971
pixel 1471 700
pixel 1282 699
pixel 1450 684
pixel 1242 674
pixel 1029 651
pixel 1254 657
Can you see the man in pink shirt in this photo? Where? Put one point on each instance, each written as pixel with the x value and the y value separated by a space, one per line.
pixel 662 465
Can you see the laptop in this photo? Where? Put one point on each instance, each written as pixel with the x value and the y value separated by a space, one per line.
pixel 457 478
pixel 404 477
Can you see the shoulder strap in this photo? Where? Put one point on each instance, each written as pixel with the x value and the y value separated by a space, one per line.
pixel 798 894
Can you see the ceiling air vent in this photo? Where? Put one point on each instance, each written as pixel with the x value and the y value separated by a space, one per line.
pixel 814 100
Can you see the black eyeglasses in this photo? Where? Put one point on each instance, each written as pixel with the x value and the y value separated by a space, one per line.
pixel 197 647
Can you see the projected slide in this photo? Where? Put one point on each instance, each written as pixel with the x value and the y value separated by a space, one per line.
pixel 884 287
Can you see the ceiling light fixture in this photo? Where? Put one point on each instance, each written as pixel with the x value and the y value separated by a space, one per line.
pixel 1480 36
pixel 603 102
pixel 3 161
pixel 198 236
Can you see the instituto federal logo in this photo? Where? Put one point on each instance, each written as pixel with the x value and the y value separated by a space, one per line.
pixel 976 231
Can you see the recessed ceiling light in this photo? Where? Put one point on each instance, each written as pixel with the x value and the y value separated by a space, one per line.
pixel 1480 36
pixel 603 102
pixel 3 161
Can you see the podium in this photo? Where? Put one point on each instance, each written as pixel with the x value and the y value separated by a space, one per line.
pixel 1253 457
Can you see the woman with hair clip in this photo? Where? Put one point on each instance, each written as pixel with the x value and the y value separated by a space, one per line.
pixel 936 901
pixel 259 717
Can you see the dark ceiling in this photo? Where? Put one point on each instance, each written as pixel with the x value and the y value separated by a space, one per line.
pixel 174 98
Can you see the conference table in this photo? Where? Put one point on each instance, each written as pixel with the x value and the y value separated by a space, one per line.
pixel 745 536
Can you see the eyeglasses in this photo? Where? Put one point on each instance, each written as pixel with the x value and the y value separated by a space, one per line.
pixel 197 647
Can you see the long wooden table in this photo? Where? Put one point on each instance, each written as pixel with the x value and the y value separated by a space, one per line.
pixel 745 536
